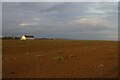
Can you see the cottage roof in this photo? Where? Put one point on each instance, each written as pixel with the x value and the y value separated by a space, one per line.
pixel 29 36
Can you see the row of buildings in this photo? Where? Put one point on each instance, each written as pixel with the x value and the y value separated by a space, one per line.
pixel 28 37
pixel 24 37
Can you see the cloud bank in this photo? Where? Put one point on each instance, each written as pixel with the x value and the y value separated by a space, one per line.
pixel 81 20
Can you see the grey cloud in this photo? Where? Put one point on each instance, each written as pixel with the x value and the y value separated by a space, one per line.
pixel 0 19
pixel 44 19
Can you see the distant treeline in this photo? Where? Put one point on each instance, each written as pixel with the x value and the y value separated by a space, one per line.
pixel 18 38
pixel 10 37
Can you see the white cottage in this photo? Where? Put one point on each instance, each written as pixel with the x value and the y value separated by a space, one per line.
pixel 25 37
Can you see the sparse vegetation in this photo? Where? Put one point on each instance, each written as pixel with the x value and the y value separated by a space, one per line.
pixel 38 58
pixel 58 58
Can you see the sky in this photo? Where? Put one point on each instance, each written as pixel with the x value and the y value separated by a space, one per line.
pixel 59 0
pixel 69 20
pixel 0 19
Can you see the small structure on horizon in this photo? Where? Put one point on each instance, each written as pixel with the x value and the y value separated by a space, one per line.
pixel 27 37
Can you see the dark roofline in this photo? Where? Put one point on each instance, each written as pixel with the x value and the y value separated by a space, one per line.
pixel 28 36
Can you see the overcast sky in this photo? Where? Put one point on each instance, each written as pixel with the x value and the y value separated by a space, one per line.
pixel 59 0
pixel 78 20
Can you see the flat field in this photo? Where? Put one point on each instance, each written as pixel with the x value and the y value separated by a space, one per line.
pixel 59 59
